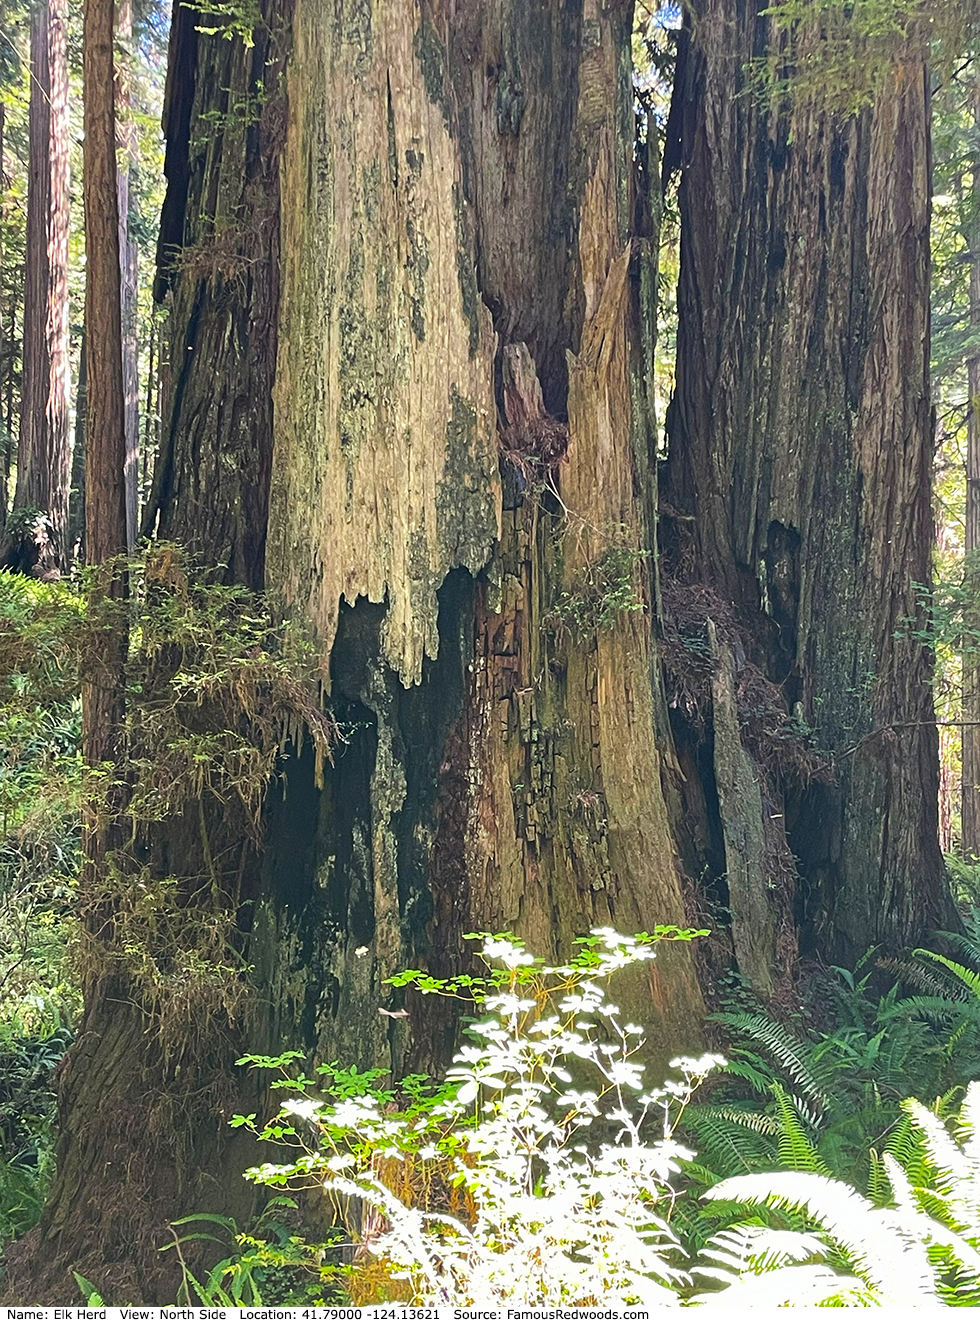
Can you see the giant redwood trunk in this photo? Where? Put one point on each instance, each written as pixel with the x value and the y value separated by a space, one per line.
pixel 411 289
pixel 800 472
pixel 460 437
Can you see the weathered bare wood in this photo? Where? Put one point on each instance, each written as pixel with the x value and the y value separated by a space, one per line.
pixel 751 906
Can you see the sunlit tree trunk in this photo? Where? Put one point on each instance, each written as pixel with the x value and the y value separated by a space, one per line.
pixel 970 808
pixel 127 156
pixel 39 538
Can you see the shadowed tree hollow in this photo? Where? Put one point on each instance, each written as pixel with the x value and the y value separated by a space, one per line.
pixel 411 257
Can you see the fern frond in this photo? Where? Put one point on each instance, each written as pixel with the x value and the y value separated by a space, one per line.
pixel 787 1050
pixel 745 1069
pixel 967 944
pixel 904 1144
pixel 725 1143
pixel 957 1288
pixel 879 1187
pixel 761 1248
pixel 940 1007
pixel 968 977
pixel 945 1156
pixel 916 975
pixel 952 1097
pixel 930 1230
pixel 758 1121
pixel 893 1263
pixel 795 1148
pixel 805 1285
pixel 969 1122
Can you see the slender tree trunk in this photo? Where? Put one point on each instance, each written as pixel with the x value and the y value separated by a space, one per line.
pixel 970 807
pixel 44 448
pixel 76 505
pixel 105 515
pixel 12 341
pixel 127 157
pixel 5 348
pixel 103 688
pixel 150 429
pixel 800 456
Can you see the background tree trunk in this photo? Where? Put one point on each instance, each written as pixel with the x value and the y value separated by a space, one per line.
pixel 105 1054
pixel 970 804
pixel 800 449
pixel 169 1148
pixel 127 159
pixel 44 448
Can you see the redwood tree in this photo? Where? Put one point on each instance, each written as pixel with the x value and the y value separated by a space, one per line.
pixel 411 273
pixel 970 800
pixel 800 456
pixel 39 538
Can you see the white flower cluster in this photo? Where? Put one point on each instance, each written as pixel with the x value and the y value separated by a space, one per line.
pixel 555 1219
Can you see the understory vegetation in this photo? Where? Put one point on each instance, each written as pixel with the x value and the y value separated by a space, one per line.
pixel 545 1170
pixel 826 1154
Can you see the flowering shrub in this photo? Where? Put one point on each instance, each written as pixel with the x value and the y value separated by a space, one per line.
pixel 543 1172
pixel 485 1190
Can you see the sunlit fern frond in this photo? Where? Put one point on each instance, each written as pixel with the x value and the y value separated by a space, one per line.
pixel 766 1267
pixel 950 1105
pixel 891 1261
pixel 933 1222
pixel 905 1144
pixel 956 1287
pixel 757 1248
pixel 807 1285
pixel 967 943
pixel 794 1055
pixel 952 1190
pixel 944 1154
pixel 878 1186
